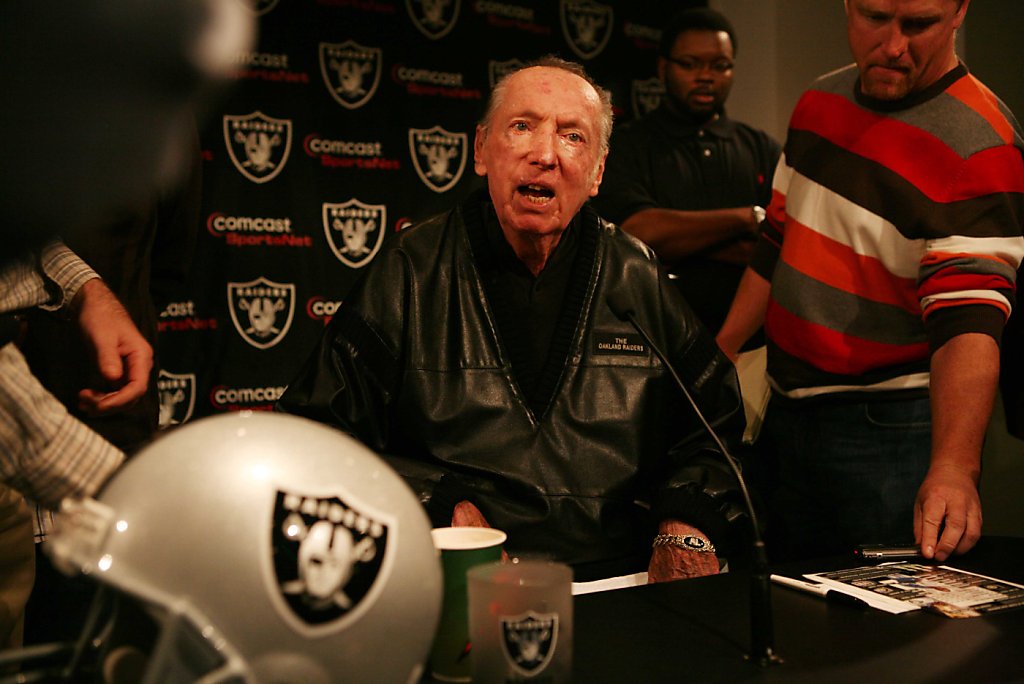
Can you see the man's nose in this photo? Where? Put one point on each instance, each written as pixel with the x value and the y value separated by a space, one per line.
pixel 543 148
pixel 895 43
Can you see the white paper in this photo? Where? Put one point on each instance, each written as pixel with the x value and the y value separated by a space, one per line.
pixel 620 582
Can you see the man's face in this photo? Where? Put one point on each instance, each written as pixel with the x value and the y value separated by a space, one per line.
pixel 698 73
pixel 902 46
pixel 541 151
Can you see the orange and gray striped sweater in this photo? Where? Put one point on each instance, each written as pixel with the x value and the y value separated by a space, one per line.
pixel 893 227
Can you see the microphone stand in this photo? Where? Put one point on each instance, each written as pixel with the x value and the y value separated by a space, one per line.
pixel 762 633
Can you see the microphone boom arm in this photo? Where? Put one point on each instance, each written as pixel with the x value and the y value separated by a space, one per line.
pixel 762 636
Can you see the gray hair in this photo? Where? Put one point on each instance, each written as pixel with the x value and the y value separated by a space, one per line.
pixel 552 62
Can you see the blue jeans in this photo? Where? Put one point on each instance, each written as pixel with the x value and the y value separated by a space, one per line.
pixel 836 473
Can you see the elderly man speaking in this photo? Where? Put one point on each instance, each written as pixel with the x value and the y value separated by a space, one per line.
pixel 479 355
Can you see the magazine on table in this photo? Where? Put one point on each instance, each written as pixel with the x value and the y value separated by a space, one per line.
pixel 904 586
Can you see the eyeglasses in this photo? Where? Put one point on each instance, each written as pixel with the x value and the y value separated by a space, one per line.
pixel 692 64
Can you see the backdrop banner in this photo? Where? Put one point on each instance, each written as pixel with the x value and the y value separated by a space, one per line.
pixel 351 120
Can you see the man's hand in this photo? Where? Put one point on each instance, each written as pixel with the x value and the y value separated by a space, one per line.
pixel 123 356
pixel 948 495
pixel 467 514
pixel 672 563
pixel 964 376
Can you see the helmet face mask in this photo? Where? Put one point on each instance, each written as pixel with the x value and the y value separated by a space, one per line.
pixel 265 548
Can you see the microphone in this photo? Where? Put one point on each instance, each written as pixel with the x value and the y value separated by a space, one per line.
pixel 762 635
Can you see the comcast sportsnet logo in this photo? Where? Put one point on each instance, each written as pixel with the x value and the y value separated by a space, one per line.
pixel 258 145
pixel 322 309
pixel 439 156
pixel 245 398
pixel 255 231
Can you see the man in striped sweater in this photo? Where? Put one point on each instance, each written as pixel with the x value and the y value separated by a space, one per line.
pixel 884 275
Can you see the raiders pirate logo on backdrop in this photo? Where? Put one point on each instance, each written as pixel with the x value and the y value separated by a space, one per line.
pixel 496 70
pixel 328 555
pixel 177 397
pixel 439 156
pixel 529 641
pixel 261 310
pixel 351 72
pixel 587 26
pixel 433 18
pixel 258 145
pixel 647 95
pixel 355 230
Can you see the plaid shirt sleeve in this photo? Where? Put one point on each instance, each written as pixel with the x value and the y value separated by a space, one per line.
pixel 45 452
pixel 66 272
pixel 51 284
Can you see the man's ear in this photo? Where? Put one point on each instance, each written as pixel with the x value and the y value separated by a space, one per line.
pixel 478 151
pixel 598 175
pixel 961 14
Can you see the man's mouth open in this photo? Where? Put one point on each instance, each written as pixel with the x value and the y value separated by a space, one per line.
pixel 536 194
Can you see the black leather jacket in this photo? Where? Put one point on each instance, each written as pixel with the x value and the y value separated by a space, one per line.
pixel 412 364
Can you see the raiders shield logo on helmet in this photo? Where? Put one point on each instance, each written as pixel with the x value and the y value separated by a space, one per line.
pixel 529 641
pixel 177 397
pixel 433 18
pixel 439 156
pixel 497 70
pixel 587 26
pixel 258 145
pixel 355 230
pixel 329 555
pixel 261 310
pixel 351 72
pixel 647 95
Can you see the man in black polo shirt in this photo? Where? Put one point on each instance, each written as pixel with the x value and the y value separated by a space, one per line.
pixel 688 180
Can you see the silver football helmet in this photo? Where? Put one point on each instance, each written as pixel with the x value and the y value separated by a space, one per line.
pixel 266 548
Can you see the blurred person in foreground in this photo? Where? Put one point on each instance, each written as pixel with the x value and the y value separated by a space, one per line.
pixel 143 260
pixel 480 356
pixel 45 452
pixel 90 139
pixel 884 276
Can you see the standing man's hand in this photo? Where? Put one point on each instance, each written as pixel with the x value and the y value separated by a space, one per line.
pixel 948 499
pixel 123 357
pixel 669 562
pixel 964 377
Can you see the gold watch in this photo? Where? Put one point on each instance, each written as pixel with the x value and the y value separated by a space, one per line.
pixel 690 542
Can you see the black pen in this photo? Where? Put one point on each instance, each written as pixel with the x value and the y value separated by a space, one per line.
pixel 821 590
